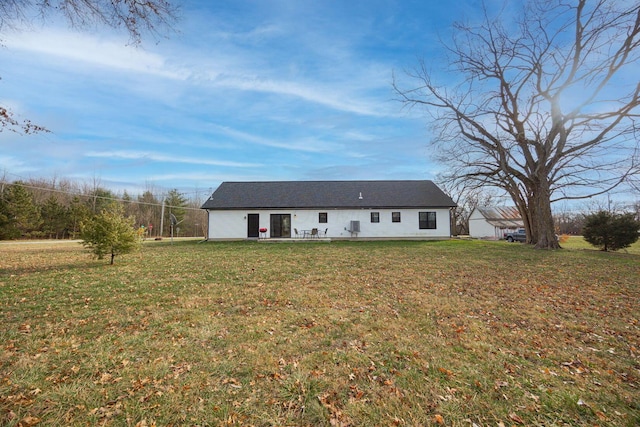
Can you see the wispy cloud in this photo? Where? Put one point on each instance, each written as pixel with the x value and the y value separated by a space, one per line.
pixel 94 51
pixel 226 72
pixel 306 145
pixel 142 155
pixel 312 92
pixel 212 179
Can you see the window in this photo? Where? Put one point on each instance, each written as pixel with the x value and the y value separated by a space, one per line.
pixel 395 216
pixel 375 216
pixel 322 217
pixel 427 220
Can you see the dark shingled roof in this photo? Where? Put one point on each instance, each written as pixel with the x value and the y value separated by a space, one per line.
pixel 328 195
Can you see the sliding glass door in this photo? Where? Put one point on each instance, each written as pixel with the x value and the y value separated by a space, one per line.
pixel 280 225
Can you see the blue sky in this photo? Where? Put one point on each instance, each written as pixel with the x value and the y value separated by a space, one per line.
pixel 244 90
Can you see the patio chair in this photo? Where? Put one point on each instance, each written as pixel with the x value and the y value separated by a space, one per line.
pixel 296 231
pixel 324 233
pixel 314 233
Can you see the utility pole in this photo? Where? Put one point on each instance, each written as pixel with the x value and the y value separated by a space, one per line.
pixel 162 217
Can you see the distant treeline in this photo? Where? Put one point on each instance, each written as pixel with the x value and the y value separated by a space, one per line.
pixel 37 209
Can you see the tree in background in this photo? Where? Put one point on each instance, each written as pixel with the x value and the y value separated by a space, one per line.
pixel 19 216
pixel 175 204
pixel 136 17
pixel 545 109
pixel 78 213
pixel 4 217
pixel 568 222
pixel 110 232
pixel 98 198
pixel 149 211
pixel 60 206
pixel 195 221
pixel 611 231
pixel 127 202
pixel 467 197
pixel 55 218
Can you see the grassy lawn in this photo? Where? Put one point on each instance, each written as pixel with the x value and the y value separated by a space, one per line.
pixel 577 242
pixel 455 333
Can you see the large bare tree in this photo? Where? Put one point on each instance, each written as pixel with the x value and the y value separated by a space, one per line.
pixel 137 17
pixel 546 107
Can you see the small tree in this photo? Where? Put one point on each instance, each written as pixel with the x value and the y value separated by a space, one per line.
pixel 610 231
pixel 110 232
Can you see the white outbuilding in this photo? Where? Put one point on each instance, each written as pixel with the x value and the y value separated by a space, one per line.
pixel 493 222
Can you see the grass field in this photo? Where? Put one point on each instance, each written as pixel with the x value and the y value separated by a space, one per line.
pixel 454 333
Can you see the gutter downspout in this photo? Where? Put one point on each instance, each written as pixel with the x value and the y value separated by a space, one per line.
pixel 208 224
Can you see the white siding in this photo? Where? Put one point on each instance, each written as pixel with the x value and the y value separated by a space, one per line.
pixel 479 228
pixel 232 224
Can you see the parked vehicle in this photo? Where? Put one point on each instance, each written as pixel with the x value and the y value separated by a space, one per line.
pixel 517 236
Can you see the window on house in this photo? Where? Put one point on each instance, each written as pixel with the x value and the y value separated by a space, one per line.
pixel 395 216
pixel 375 216
pixel 427 220
pixel 322 217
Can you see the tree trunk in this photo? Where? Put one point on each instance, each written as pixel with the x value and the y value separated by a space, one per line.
pixel 453 222
pixel 543 228
pixel 525 214
pixel 112 257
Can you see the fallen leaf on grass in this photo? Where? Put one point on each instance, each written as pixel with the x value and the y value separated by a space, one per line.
pixel 446 372
pixel 19 399
pixel 232 382
pixel 337 417
pixel 532 396
pixel 548 372
pixel 105 378
pixel 356 393
pixel 516 418
pixel 28 421
pixel 439 419
pixel 110 410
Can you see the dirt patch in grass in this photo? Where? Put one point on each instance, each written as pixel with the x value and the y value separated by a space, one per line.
pixel 339 334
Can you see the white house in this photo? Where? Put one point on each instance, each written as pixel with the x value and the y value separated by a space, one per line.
pixel 337 209
pixel 494 222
